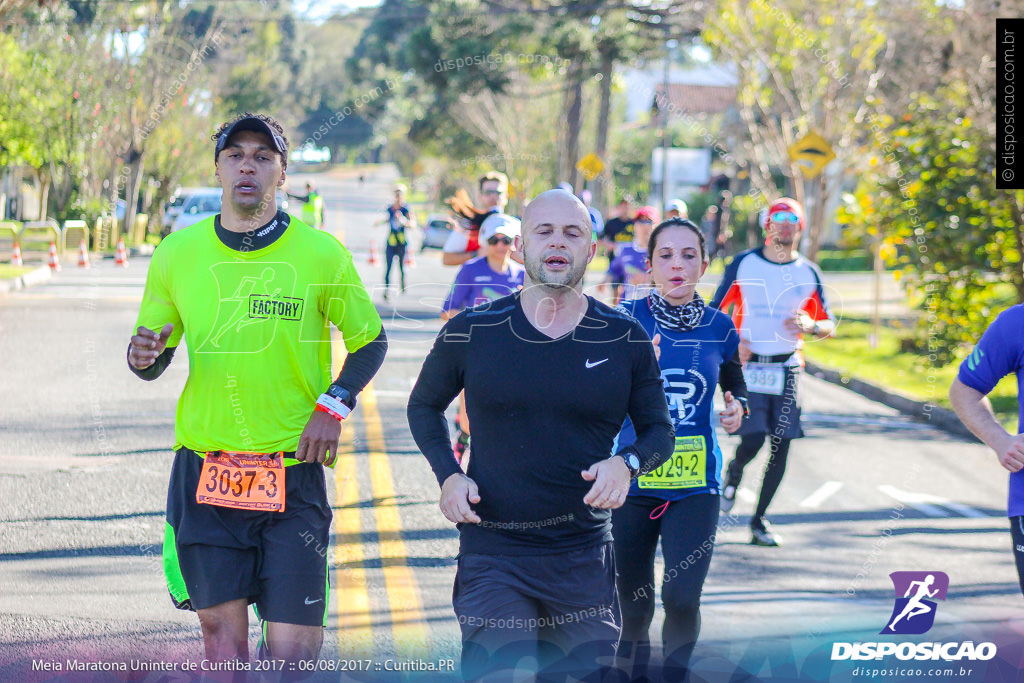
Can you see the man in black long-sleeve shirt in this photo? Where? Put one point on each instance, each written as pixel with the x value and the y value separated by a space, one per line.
pixel 549 375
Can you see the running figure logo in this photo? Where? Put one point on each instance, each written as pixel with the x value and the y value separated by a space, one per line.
pixel 250 306
pixel 914 613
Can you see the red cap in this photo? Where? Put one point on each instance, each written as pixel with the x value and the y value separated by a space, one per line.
pixel 787 204
pixel 647 212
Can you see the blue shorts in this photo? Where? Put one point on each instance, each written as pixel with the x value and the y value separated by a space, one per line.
pixel 275 560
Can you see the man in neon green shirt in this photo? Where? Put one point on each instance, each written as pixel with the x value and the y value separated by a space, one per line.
pixel 251 292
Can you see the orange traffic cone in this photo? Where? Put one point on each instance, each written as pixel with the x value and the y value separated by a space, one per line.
pixel 83 255
pixel 410 262
pixel 373 253
pixel 121 255
pixel 16 256
pixel 54 261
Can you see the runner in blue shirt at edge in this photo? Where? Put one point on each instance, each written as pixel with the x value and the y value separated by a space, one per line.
pixel 697 347
pixel 999 353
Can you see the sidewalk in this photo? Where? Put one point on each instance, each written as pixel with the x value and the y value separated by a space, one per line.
pixel 14 284
pixel 42 273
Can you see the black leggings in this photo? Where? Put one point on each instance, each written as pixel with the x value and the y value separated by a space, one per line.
pixel 687 530
pixel 391 253
pixel 1017 537
pixel 776 467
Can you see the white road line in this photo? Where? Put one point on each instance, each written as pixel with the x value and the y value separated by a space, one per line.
pixel 929 504
pixel 965 510
pixel 824 492
pixel 746 495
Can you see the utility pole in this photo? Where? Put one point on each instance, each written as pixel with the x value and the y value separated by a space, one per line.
pixel 664 125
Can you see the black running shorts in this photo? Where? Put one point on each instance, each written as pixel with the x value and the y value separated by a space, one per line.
pixel 277 560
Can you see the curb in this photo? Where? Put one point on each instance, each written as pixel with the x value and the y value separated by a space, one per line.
pixel 929 413
pixel 34 277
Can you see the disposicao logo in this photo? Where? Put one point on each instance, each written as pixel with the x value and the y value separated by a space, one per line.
pixel 914 612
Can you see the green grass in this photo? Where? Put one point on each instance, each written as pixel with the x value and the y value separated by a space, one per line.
pixel 850 353
pixel 844 259
pixel 8 272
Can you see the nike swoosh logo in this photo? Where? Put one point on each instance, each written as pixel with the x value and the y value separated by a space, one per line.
pixel 594 365
pixel 312 602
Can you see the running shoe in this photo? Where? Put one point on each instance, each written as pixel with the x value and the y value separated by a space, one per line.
pixel 728 497
pixel 762 534
pixel 732 482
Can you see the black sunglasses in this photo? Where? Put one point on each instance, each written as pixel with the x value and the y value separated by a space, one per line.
pixel 499 238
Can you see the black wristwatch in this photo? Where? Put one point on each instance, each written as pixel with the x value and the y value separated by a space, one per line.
pixel 342 394
pixel 632 461
pixel 746 407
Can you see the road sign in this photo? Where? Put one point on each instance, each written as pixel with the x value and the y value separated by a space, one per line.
pixel 590 166
pixel 811 154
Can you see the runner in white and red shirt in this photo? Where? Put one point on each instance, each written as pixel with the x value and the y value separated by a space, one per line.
pixel 775 297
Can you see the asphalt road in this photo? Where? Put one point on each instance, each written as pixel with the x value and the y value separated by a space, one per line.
pixel 85 456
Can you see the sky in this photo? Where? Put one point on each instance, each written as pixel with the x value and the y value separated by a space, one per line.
pixel 321 9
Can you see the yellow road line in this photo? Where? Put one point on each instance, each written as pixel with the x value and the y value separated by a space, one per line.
pixel 412 637
pixel 355 626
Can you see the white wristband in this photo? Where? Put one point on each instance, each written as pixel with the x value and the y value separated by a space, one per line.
pixel 333 406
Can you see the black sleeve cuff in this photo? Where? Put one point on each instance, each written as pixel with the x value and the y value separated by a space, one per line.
pixel 361 365
pixel 158 366
pixel 730 377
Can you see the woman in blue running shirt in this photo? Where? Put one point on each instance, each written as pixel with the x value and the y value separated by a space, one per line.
pixel 678 502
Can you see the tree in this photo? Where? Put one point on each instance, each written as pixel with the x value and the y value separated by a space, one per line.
pixel 491 68
pixel 122 69
pixel 333 118
pixel 930 194
pixel 268 66
pixel 593 38
pixel 803 66
pixel 45 122
pixel 177 154
pixel 122 72
pixel 20 141
pixel 8 7
pixel 626 35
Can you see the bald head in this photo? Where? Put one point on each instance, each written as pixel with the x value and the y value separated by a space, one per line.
pixel 556 207
pixel 556 240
